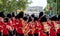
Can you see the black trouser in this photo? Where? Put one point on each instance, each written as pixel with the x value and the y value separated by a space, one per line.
pixel 10 33
pixel 30 34
pixel 5 35
pixel 14 32
pixel 17 34
pixel 0 34
pixel 47 33
pixel 36 34
pixel 58 34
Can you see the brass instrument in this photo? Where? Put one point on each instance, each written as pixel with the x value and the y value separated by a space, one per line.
pixel 46 28
pixel 25 28
pixel 56 26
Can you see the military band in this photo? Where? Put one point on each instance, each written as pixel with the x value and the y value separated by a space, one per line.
pixel 31 25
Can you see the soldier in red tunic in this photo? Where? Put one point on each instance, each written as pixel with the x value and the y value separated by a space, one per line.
pixel 1 23
pixel 25 26
pixel 20 25
pixel 58 30
pixel 30 26
pixel 37 26
pixel 10 27
pixel 13 23
pixel 0 28
pixel 49 22
pixel 5 29
pixel 45 31
pixel 53 28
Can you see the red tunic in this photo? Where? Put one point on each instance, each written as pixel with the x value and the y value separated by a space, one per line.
pixel 1 24
pixel 50 24
pixel 30 26
pixel 41 26
pixel 10 22
pixel 41 33
pixel 19 27
pixel 19 31
pixel 14 23
pixel 39 21
pixel 14 20
pixel 5 31
pixel 36 31
pixel 37 26
pixel 58 31
pixel 0 27
pixel 52 32
pixel 58 22
pixel 20 23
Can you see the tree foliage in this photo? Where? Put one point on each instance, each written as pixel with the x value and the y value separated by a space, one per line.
pixel 55 5
pixel 13 5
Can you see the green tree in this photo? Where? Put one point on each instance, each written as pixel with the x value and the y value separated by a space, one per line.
pixel 55 5
pixel 13 5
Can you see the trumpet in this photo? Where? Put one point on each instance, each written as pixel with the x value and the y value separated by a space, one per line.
pixel 46 28
pixel 26 30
